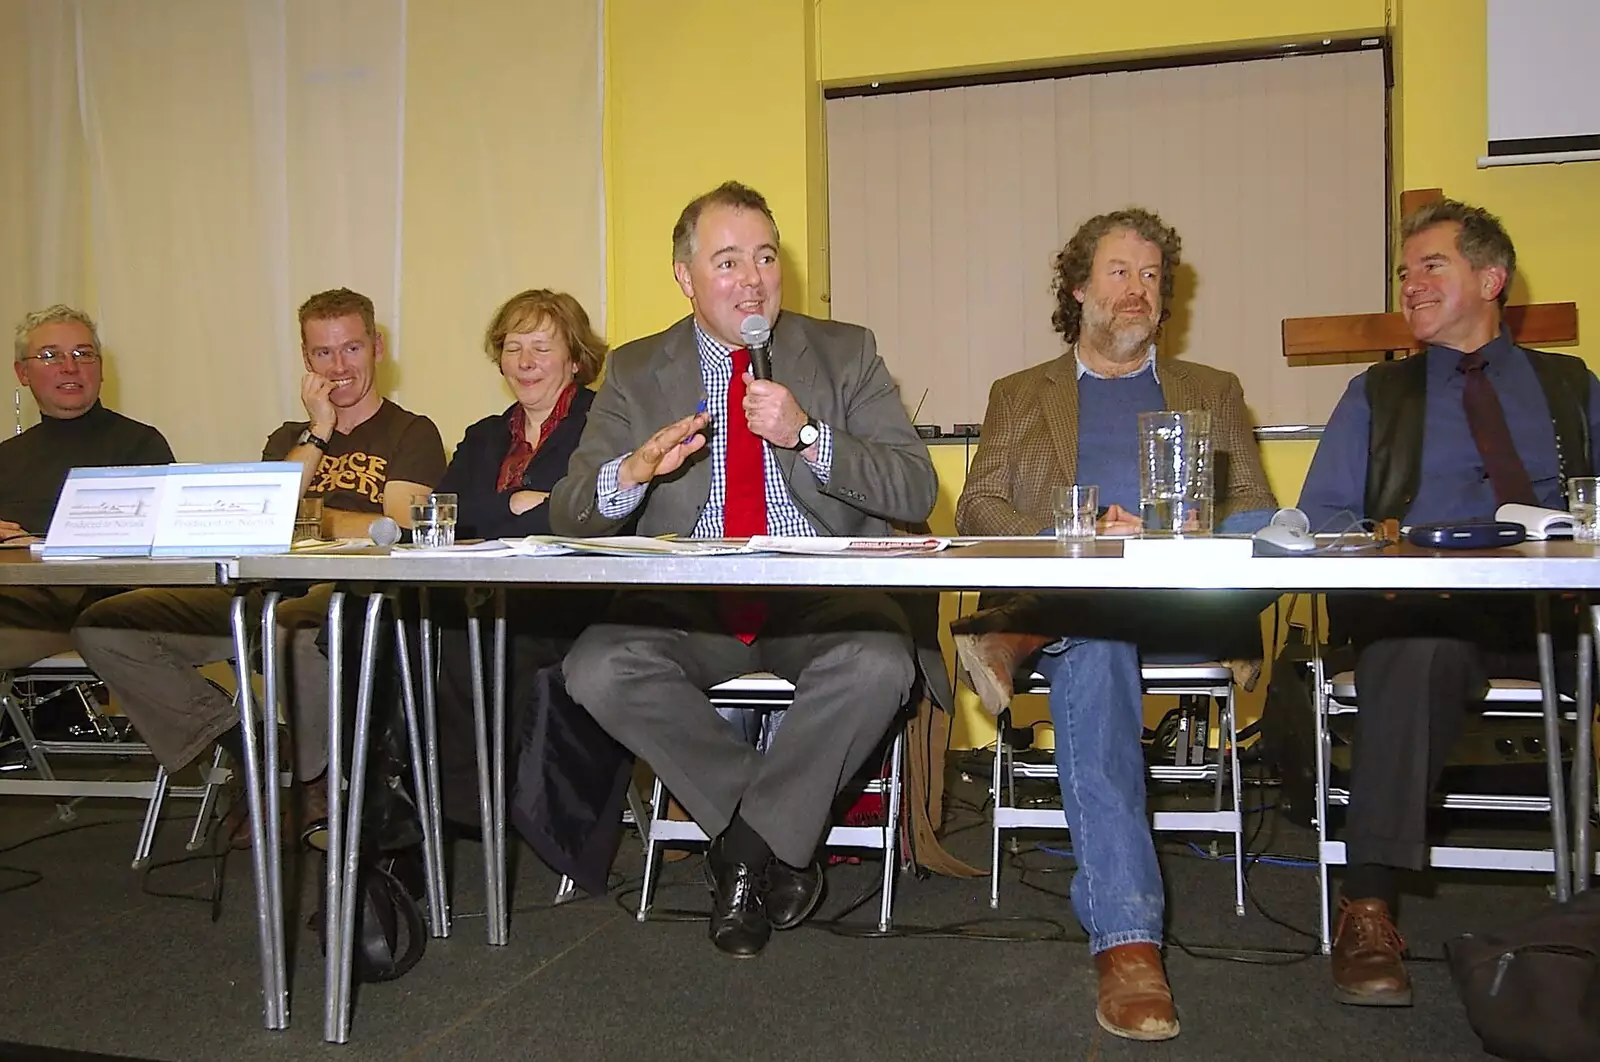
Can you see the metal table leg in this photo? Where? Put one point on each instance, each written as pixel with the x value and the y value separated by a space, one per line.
pixel 1583 793
pixel 430 739
pixel 488 788
pixel 1552 749
pixel 274 999
pixel 345 951
pixel 502 931
pixel 331 903
pixel 425 813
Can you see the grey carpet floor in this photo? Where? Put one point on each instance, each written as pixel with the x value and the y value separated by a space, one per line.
pixel 93 959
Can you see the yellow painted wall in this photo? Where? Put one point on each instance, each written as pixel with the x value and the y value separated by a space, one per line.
pixel 897 40
pixel 1441 110
pixel 675 126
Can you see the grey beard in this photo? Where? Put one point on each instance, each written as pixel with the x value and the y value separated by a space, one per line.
pixel 1119 346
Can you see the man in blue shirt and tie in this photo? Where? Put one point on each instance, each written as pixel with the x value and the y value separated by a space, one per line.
pixel 1472 423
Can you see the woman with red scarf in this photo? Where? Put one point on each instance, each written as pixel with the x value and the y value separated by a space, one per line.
pixel 506 465
pixel 558 760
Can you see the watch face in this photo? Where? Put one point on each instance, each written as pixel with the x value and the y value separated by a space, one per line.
pixel 809 433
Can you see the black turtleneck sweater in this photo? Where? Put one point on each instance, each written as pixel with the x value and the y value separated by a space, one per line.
pixel 34 465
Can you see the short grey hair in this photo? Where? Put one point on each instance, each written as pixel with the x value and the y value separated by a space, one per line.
pixel 53 315
pixel 727 194
pixel 1483 240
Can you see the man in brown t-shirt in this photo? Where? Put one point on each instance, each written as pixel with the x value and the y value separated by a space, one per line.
pixel 364 457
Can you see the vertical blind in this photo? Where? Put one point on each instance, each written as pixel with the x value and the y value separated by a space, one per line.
pixel 947 206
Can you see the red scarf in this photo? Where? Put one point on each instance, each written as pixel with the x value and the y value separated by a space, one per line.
pixel 521 453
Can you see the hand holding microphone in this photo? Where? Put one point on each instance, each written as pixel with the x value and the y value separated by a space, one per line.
pixel 756 331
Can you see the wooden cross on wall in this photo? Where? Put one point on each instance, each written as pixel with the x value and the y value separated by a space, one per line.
pixel 1348 337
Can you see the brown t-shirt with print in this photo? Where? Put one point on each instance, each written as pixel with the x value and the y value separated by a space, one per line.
pixel 391 444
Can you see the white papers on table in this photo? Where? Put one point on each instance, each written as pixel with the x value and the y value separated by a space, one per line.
pixel 531 546
pixel 891 546
pixel 645 546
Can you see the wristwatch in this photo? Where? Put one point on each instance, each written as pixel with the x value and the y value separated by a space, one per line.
pixel 315 440
pixel 810 432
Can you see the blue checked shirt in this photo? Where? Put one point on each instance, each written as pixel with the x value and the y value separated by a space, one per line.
pixel 784 517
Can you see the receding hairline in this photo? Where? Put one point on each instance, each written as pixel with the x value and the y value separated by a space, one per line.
pixel 736 208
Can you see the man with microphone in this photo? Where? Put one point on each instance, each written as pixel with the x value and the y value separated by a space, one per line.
pixel 364 457
pixel 694 435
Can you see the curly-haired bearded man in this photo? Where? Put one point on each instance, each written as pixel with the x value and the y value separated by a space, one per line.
pixel 1075 420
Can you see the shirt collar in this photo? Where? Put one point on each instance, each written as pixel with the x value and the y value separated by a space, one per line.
pixel 1148 366
pixel 1442 359
pixel 711 349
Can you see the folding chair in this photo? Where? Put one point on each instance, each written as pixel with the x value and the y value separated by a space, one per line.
pixel 764 692
pixel 1191 764
pixel 25 690
pixel 1506 699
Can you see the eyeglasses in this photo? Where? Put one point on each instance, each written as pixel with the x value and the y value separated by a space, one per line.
pixel 49 356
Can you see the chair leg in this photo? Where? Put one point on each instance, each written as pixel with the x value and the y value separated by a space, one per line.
pixel 658 809
pixel 996 803
pixel 1319 707
pixel 152 815
pixel 1231 733
pixel 891 833
pixel 30 745
pixel 208 803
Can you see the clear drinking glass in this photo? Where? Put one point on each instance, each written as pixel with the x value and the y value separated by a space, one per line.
pixel 308 519
pixel 1175 477
pixel 433 520
pixel 1583 501
pixel 1075 509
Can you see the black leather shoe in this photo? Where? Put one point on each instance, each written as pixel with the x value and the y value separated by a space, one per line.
pixel 739 925
pixel 792 894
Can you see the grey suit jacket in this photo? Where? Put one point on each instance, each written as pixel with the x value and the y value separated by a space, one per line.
pixel 881 472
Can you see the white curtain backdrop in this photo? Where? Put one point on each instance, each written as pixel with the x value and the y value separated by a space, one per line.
pixel 237 156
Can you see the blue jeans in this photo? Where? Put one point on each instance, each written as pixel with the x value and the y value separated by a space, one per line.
pixel 1096 703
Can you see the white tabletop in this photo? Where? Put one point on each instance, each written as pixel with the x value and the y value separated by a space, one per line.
pixel 995 564
pixel 19 567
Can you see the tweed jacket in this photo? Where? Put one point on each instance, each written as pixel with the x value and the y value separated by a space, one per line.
pixel 1029 445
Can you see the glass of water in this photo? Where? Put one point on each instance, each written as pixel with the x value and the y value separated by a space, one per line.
pixel 1583 501
pixel 433 520
pixel 1075 510
pixel 1175 477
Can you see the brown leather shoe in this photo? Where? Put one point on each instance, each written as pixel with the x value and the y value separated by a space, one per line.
pixel 1135 1001
pixel 992 660
pixel 1367 968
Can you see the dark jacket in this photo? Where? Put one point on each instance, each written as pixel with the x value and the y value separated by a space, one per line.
pixel 474 471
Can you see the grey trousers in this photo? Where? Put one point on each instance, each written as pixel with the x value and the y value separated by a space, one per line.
pixel 147 643
pixel 36 621
pixel 642 675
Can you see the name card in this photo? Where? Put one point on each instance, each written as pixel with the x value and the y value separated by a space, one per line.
pixel 227 510
pixel 176 511
pixel 107 512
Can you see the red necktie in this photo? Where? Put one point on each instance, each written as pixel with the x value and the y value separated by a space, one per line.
pixel 744 512
pixel 1487 422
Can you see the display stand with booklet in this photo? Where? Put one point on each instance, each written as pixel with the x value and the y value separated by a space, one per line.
pixel 176 511
pixel 1540 523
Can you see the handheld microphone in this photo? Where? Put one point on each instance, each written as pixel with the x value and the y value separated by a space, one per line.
pixel 756 331
pixel 384 531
